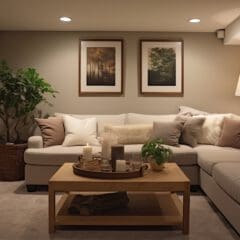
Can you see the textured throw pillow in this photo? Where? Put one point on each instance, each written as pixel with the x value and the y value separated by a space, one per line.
pixel 52 130
pixel 211 129
pixel 130 134
pixel 191 111
pixel 191 129
pixel 80 131
pixel 230 136
pixel 169 132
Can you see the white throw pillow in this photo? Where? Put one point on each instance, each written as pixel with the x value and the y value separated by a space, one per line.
pixel 211 129
pixel 102 120
pixel 80 131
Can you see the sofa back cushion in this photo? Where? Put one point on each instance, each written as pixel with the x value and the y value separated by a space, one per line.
pixel 136 118
pixel 130 134
pixel 185 110
pixel 102 120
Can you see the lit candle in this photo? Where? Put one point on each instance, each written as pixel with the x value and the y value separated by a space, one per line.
pixel 87 152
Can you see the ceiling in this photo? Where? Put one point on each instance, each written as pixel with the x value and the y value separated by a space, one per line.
pixel 118 15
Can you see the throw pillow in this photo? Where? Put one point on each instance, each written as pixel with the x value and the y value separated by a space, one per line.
pixel 52 130
pixel 230 136
pixel 80 131
pixel 191 129
pixel 211 129
pixel 130 134
pixel 169 132
pixel 191 111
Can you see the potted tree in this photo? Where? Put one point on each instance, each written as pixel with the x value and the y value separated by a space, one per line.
pixel 156 154
pixel 20 93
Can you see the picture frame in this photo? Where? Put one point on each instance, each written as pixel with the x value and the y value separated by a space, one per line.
pixel 161 68
pixel 101 67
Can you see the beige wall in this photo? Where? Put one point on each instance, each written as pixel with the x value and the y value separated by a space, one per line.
pixel 210 71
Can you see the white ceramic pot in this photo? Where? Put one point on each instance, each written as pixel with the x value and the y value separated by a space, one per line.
pixel 155 166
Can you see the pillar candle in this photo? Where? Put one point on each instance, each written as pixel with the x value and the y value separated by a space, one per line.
pixel 107 141
pixel 117 152
pixel 87 153
pixel 121 166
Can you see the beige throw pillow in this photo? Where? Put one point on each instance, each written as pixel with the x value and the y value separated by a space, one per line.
pixel 130 134
pixel 191 129
pixel 230 136
pixel 52 130
pixel 169 132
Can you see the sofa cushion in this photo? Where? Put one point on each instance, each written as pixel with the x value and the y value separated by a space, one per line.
pixel 136 118
pixel 209 156
pixel 102 120
pixel 55 155
pixel 182 155
pixel 227 177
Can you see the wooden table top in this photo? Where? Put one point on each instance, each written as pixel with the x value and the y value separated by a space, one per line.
pixel 170 174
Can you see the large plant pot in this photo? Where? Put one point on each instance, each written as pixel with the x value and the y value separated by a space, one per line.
pixel 155 166
pixel 12 161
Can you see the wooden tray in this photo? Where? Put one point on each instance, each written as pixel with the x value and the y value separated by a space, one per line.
pixel 108 175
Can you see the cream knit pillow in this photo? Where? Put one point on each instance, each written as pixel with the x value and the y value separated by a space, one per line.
pixel 130 134
pixel 211 129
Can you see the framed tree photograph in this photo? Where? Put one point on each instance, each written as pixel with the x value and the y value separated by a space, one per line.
pixel 161 64
pixel 101 67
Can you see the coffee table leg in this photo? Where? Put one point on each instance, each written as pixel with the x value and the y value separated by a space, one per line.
pixel 186 209
pixel 51 208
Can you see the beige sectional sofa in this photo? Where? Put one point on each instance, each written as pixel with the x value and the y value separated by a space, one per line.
pixel 215 169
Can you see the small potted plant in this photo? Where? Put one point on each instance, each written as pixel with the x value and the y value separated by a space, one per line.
pixel 156 154
pixel 20 93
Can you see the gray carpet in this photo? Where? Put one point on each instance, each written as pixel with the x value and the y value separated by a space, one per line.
pixel 24 216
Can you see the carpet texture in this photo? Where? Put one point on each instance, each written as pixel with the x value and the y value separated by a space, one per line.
pixel 24 216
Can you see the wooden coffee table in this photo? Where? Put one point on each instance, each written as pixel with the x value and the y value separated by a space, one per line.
pixel 153 199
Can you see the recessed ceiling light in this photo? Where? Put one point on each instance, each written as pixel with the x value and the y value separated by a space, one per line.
pixel 65 19
pixel 195 20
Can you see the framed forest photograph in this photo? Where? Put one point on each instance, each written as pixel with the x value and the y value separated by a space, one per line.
pixel 161 64
pixel 100 67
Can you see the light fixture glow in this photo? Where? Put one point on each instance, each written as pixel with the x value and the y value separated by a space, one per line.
pixel 65 19
pixel 195 20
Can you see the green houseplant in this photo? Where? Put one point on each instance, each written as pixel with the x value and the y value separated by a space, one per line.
pixel 20 93
pixel 156 154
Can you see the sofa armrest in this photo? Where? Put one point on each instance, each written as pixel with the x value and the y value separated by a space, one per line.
pixel 35 142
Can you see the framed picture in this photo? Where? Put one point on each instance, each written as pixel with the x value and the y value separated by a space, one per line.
pixel 100 67
pixel 161 67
